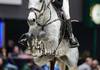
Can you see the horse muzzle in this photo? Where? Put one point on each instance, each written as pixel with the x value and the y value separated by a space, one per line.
pixel 32 16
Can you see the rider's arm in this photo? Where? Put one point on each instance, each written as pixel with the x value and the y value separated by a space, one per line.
pixel 65 9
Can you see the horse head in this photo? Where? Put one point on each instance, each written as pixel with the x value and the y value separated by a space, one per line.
pixel 37 8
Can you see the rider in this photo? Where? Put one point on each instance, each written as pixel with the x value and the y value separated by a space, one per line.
pixel 64 6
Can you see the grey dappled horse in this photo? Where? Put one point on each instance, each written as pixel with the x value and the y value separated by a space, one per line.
pixel 45 41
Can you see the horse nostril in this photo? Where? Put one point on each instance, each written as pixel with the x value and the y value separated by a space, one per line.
pixel 33 20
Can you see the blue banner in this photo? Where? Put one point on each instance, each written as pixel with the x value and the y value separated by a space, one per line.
pixel 1 33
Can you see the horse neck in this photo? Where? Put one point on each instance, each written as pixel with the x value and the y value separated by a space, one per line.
pixel 46 14
pixel 53 12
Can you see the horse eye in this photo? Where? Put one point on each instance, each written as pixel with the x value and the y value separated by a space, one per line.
pixel 41 0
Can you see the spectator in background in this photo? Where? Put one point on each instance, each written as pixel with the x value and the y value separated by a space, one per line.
pixel 15 53
pixel 10 46
pixel 10 65
pixel 86 65
pixel 95 65
pixel 1 64
pixel 4 52
pixel 46 67
pixel 31 66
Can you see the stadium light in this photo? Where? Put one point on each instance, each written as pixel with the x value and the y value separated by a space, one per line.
pixel 95 13
pixel 11 2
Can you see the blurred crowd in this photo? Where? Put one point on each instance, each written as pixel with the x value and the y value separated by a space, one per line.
pixel 12 57
pixel 89 64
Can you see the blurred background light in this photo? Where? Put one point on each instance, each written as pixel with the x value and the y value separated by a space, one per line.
pixel 11 2
pixel 1 33
pixel 95 13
